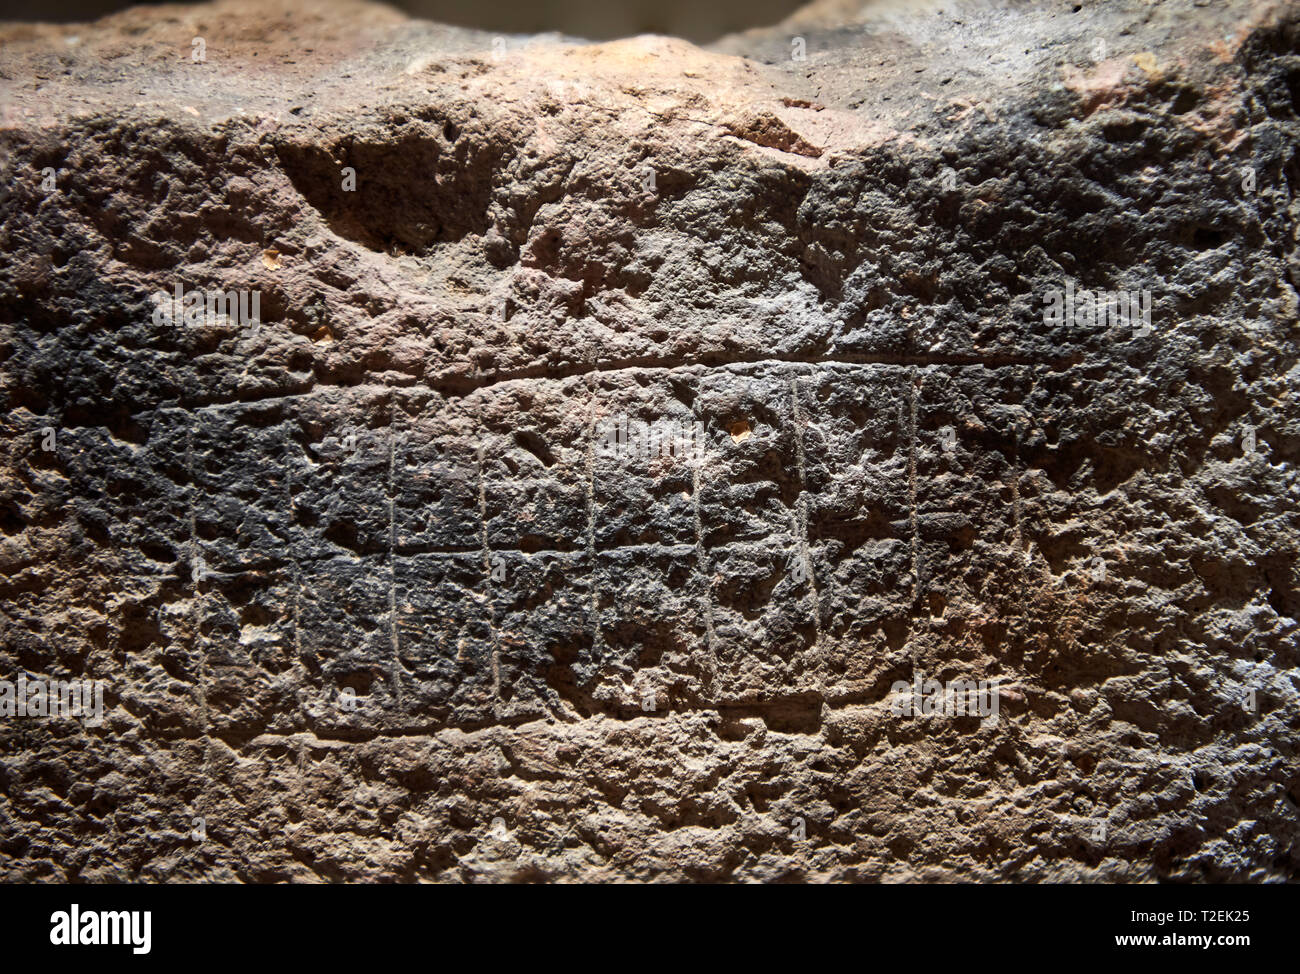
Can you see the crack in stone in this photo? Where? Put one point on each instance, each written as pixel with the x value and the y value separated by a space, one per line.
pixel 459 385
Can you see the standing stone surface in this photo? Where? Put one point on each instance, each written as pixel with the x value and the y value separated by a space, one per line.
pixel 625 429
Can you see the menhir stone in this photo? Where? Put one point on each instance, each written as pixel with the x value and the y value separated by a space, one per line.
pixel 862 449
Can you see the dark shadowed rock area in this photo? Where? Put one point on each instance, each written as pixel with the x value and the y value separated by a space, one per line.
pixel 627 432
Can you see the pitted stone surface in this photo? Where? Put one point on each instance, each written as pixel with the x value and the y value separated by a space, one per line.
pixel 373 601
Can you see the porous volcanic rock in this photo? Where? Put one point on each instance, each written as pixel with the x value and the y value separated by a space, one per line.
pixel 374 599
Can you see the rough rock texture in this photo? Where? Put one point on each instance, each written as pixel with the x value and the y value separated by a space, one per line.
pixel 574 666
